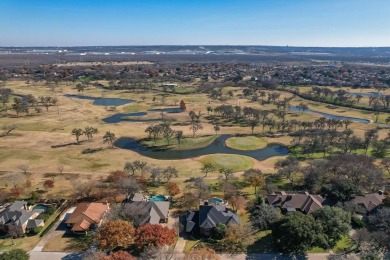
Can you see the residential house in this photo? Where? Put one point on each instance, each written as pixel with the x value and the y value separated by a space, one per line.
pixel 204 220
pixel 368 202
pixel 151 212
pixel 303 202
pixel 18 218
pixel 87 216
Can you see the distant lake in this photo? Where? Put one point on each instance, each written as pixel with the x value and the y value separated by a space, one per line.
pixel 330 116
pixel 371 94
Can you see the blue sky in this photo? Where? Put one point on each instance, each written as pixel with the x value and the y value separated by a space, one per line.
pixel 187 22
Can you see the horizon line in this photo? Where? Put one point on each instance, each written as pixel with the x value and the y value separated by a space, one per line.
pixel 155 45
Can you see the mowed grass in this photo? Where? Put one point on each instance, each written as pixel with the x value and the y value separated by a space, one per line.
pixel 246 143
pixel 25 243
pixel 229 161
pixel 190 245
pixel 188 143
pixel 342 245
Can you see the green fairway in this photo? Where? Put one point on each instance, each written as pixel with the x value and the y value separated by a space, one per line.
pixel 246 143
pixel 229 161
pixel 186 143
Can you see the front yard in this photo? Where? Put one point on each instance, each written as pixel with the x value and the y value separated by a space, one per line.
pixel 69 243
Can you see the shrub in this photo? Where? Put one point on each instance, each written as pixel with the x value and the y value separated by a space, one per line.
pixel 91 150
pixel 356 222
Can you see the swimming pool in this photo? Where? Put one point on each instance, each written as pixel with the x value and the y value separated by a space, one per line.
pixel 216 201
pixel 40 206
pixel 158 198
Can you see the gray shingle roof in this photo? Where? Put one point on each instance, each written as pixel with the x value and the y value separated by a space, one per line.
pixel 157 210
pixel 17 215
pixel 33 223
pixel 210 217
pixel 137 197
pixel 306 202
pixel 17 205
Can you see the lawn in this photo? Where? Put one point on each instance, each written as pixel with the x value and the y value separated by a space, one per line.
pixel 25 243
pixel 188 143
pixel 58 244
pixel 229 161
pixel 342 245
pixel 189 245
pixel 69 243
pixel 246 143
pixel 264 243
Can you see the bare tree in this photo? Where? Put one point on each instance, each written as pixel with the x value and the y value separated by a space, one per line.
pixel 24 168
pixel 169 173
pixel 8 129
pixel 60 169
pixel 196 126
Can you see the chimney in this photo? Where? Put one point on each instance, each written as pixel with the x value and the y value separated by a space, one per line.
pixel 206 203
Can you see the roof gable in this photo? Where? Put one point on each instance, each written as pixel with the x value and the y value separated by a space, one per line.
pixel 91 212
pixel 304 202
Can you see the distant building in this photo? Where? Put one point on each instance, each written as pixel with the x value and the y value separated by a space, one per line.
pixel 305 203
pixel 19 218
pixel 87 216
pixel 204 220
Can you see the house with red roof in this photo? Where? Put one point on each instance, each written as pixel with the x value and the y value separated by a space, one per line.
pixel 87 216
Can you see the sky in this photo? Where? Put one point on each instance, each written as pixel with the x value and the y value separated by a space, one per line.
pixel 325 23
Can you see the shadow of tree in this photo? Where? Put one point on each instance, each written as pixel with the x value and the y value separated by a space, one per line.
pixel 79 243
pixel 265 244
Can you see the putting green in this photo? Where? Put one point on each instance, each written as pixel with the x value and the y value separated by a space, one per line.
pixel 246 143
pixel 229 161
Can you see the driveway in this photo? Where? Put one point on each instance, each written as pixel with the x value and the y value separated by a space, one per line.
pixel 173 223
pixel 59 228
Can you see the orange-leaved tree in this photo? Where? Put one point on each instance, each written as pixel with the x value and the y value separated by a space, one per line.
pixel 201 254
pixel 118 255
pixel 113 234
pixel 154 236
pixel 172 188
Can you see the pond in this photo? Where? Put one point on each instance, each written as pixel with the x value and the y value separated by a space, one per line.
pixel 330 116
pixel 103 101
pixel 217 146
pixel 371 94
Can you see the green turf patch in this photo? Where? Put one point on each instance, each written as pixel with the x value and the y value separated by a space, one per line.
pixel 229 161
pixel 187 143
pixel 246 143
